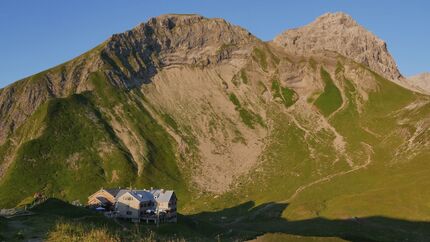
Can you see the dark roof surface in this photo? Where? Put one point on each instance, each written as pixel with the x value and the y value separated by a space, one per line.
pixel 112 191
pixel 141 195
pixel 103 200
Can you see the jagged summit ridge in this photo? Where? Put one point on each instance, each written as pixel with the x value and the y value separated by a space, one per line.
pixel 175 39
pixel 338 18
pixel 339 32
pixel 189 35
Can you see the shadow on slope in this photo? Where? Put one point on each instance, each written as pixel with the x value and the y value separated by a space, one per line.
pixel 45 218
pixel 246 222
pixel 243 222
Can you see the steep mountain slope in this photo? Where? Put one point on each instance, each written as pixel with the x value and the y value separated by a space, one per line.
pixel 203 107
pixel 122 80
pixel 21 99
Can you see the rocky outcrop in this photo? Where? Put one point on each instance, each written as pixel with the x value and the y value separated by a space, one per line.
pixel 340 33
pixel 172 40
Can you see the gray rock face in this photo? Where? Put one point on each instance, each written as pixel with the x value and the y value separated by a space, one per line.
pixel 340 33
pixel 175 39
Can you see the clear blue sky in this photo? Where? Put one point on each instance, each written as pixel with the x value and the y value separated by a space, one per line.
pixel 38 34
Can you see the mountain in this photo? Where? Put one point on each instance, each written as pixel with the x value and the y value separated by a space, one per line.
pixel 421 81
pixel 340 33
pixel 283 131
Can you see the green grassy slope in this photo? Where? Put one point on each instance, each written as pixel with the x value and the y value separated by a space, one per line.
pixel 377 185
pixel 330 100
pixel 387 186
pixel 287 95
pixel 160 163
pixel 248 117
pixel 78 152
pixel 64 160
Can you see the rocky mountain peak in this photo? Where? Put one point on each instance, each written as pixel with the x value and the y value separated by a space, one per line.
pixel 172 20
pixel 339 32
pixel 333 19
pixel 171 32
pixel 174 40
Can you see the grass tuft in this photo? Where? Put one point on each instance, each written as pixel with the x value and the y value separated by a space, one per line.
pixel 248 117
pixel 285 94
